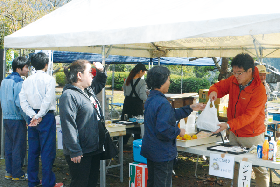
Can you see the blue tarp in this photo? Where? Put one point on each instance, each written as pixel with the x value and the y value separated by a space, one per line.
pixel 69 57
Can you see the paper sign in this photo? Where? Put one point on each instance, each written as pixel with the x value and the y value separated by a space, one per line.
pixel 221 166
pixel 59 138
pixel 244 176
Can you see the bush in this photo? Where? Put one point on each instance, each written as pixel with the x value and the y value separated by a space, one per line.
pixel 119 78
pixel 60 78
pixel 190 84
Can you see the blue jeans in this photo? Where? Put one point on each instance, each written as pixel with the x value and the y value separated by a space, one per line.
pixel 42 140
pixel 159 173
pixel 15 146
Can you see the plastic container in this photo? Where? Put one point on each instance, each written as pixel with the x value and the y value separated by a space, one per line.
pixel 137 144
pixel 265 149
pixel 278 150
pixel 272 150
pixel 190 126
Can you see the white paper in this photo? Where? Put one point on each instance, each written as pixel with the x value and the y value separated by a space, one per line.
pixel 244 176
pixel 221 167
pixel 59 138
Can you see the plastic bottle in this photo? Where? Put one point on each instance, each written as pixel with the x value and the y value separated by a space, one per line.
pixel 278 150
pixel 272 150
pixel 265 149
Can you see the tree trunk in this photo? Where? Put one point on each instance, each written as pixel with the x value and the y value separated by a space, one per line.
pixel 224 73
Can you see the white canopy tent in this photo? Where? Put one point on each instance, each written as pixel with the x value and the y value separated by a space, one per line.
pixel 157 28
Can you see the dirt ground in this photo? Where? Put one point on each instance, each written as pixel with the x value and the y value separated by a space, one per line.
pixel 184 172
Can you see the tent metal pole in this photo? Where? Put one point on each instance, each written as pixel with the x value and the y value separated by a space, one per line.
pixel 113 80
pixel 3 73
pixel 159 61
pixel 181 79
pixel 261 54
pixel 254 41
pixel 103 162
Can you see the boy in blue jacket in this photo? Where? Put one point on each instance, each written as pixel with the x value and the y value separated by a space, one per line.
pixel 14 123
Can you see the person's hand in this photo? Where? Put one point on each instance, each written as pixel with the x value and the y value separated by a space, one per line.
pixel 198 106
pixel 34 122
pixel 213 96
pixel 182 132
pixel 77 159
pixel 223 126
pixel 147 92
pixel 98 66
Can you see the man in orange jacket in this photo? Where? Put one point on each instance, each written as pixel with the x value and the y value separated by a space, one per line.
pixel 246 116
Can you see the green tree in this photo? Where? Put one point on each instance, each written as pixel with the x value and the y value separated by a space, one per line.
pixel 15 14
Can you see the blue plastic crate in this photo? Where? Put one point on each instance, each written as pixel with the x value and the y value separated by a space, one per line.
pixel 137 144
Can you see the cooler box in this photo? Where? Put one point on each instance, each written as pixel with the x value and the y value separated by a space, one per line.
pixel 138 174
pixel 137 144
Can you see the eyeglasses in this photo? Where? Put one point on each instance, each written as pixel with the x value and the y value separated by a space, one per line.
pixel 238 74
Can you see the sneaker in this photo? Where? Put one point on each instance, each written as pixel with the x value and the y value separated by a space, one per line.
pixel 22 178
pixel 8 175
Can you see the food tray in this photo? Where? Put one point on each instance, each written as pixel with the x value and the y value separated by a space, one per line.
pixel 228 149
pixel 115 127
pixel 127 123
pixel 195 142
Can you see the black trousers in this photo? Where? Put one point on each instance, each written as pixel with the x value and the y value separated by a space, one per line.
pixel 85 173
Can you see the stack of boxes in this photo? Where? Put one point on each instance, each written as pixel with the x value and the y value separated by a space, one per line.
pixel 221 103
pixel 138 171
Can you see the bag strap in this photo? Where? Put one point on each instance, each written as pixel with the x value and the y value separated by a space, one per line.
pixel 133 88
pixel 101 117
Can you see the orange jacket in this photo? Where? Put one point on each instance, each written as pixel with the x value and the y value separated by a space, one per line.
pixel 246 108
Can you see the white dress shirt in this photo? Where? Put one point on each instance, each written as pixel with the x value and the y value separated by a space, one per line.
pixel 38 92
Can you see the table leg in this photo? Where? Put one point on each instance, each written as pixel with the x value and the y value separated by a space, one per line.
pixel 102 173
pixel 270 172
pixel 196 166
pixel 121 157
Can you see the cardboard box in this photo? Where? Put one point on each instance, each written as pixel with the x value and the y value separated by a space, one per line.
pixel 138 174
pixel 203 97
pixel 180 100
pixel 137 144
pixel 220 103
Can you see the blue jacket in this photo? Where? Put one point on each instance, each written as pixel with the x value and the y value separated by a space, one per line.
pixel 159 141
pixel 9 91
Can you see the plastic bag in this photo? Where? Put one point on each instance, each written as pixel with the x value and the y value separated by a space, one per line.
pixel 208 119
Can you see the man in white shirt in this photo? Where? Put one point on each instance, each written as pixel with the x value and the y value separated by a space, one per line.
pixel 37 100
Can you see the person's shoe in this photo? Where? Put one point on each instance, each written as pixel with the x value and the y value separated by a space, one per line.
pixel 8 175
pixel 22 178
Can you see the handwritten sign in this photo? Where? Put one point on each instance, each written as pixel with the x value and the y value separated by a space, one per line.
pixel 221 165
pixel 244 176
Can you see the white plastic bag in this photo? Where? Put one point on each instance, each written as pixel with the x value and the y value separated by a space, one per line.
pixel 208 119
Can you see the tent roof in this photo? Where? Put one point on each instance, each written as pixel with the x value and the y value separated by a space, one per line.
pixel 69 57
pixel 153 28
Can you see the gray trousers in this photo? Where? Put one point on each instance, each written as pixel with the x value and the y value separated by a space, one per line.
pixel 262 176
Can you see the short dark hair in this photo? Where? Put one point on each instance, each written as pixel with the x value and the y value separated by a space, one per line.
pixel 39 60
pixel 72 70
pixel 243 60
pixel 157 76
pixel 19 62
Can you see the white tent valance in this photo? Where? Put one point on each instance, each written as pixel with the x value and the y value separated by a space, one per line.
pixel 153 28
